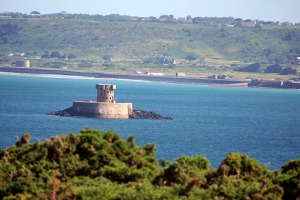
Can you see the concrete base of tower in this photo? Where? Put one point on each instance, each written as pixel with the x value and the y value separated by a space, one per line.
pixel 94 109
pixel 102 109
pixel 97 110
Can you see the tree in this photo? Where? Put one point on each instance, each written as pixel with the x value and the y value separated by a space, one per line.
pixel 223 33
pixel 71 56
pixel 35 13
pixel 189 18
pixel 289 70
pixel 8 29
pixel 55 54
pixel 274 69
pixel 295 50
pixel 191 57
pixel 269 51
pixel 291 36
pixel 85 65
pixel 153 19
pixel 255 67
pixel 46 55
pixel 106 58
pixel 166 18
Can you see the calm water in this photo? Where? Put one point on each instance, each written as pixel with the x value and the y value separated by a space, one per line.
pixel 211 121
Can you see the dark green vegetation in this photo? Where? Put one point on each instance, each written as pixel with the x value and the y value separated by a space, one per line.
pixel 122 46
pixel 101 165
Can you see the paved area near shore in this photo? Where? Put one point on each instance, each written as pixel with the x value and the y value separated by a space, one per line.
pixel 167 79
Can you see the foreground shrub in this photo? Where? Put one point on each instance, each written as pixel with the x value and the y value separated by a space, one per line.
pixel 101 165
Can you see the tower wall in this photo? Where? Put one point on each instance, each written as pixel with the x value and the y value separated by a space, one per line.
pixel 26 63
pixel 23 63
pixel 103 109
pixel 106 93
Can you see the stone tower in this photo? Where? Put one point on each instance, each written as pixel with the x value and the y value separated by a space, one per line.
pixel 26 63
pixel 106 93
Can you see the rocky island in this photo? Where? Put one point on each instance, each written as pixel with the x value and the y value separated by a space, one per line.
pixel 106 107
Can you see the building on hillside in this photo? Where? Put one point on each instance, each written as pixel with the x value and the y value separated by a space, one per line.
pixel 217 76
pixel 277 23
pixel 155 74
pixel 184 20
pixel 229 25
pixel 248 23
pixel 144 72
pixel 140 71
pixel 298 59
pixel 22 63
pixel 286 24
pixel 180 74
pixel 5 17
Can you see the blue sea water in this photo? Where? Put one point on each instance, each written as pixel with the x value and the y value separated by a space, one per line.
pixel 209 120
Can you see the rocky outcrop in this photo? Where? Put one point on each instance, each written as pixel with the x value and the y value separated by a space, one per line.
pixel 136 114
pixel 69 112
pixel 141 114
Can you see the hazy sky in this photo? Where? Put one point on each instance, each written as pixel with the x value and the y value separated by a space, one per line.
pixel 273 10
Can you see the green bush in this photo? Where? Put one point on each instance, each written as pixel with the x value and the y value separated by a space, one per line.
pixel 101 165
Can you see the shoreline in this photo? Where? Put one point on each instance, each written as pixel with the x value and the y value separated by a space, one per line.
pixel 128 77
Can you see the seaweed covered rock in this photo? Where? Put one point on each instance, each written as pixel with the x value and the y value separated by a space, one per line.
pixel 136 114
pixel 141 114
pixel 69 112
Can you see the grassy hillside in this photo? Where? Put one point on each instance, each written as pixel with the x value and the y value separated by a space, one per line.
pixel 102 165
pixel 128 44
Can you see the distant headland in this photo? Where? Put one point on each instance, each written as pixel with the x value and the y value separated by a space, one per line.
pixel 106 107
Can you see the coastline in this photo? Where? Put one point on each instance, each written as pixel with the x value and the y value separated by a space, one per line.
pixel 128 77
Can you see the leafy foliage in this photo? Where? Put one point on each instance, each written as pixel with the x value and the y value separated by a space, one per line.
pixel 101 165
pixel 8 29
pixel 250 68
pixel 274 69
pixel 289 70
pixel 191 57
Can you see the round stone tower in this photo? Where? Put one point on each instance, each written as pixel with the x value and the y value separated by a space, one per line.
pixel 106 93
pixel 26 63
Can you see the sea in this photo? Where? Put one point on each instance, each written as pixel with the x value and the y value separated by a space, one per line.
pixel 208 120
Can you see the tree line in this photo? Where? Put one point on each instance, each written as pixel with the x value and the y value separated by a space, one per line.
pixel 210 21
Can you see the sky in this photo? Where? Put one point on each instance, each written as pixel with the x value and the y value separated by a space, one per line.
pixel 267 10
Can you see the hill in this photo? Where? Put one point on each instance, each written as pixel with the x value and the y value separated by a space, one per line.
pixel 101 165
pixel 121 46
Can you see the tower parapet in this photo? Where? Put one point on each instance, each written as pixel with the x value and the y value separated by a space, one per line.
pixel 106 93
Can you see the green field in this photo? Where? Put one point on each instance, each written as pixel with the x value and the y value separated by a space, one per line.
pixel 128 44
